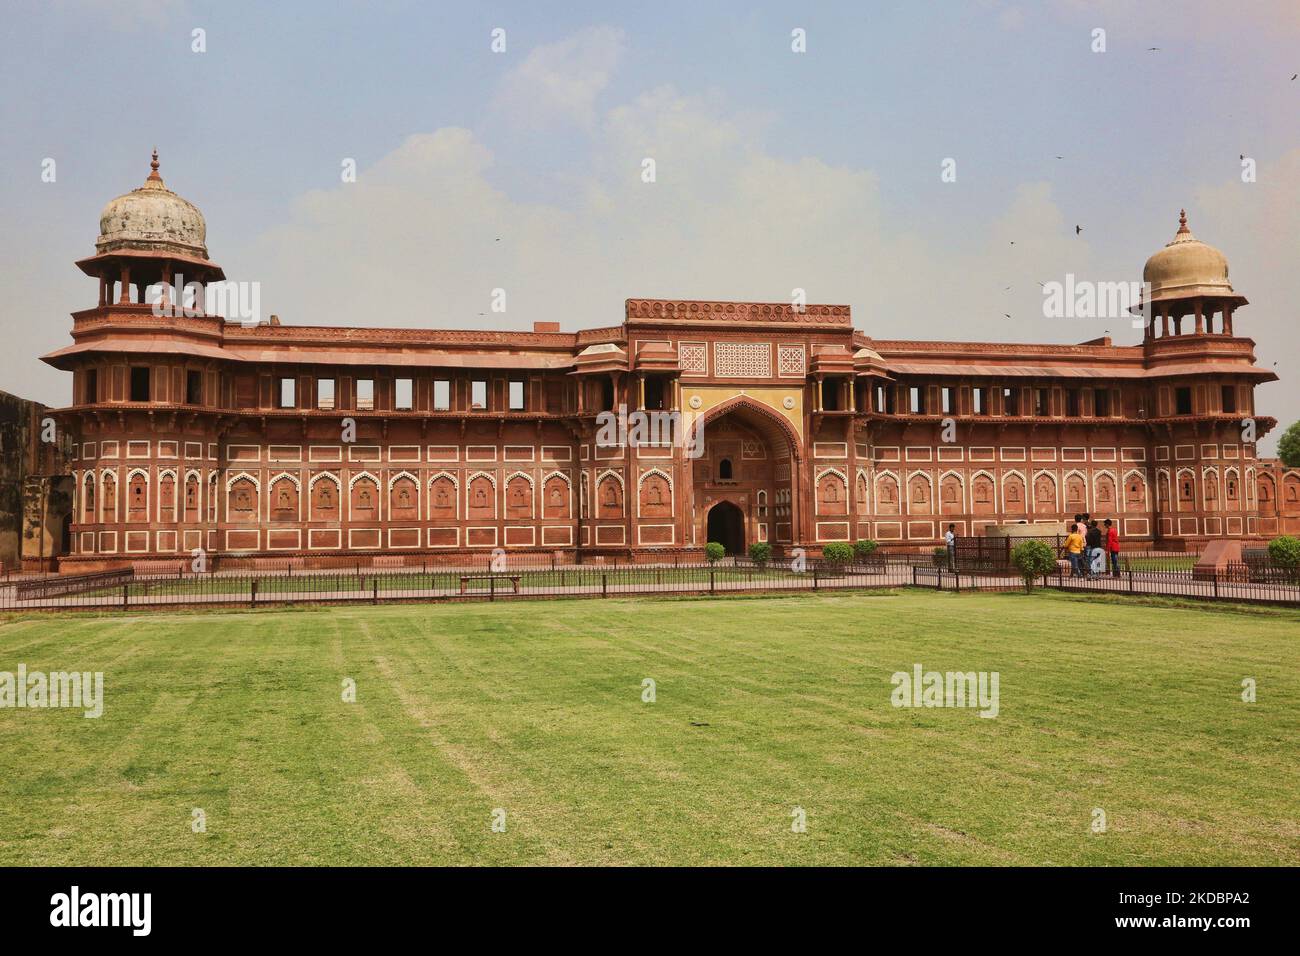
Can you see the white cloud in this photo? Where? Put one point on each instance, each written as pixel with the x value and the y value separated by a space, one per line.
pixel 423 237
pixel 561 81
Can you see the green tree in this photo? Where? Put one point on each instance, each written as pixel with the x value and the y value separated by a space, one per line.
pixel 1288 446
pixel 714 552
pixel 1033 559
pixel 760 552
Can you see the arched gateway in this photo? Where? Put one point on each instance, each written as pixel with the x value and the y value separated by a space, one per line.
pixel 726 525
pixel 744 482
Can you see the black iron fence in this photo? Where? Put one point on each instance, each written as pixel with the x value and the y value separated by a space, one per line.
pixel 466 582
pixel 125 590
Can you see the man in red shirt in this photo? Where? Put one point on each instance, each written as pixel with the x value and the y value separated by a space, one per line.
pixel 1112 547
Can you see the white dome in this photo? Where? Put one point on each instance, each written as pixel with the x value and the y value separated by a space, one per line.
pixel 1187 267
pixel 154 219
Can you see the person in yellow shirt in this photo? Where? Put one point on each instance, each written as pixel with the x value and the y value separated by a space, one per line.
pixel 1074 550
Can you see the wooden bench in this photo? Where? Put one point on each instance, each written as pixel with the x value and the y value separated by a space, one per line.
pixel 158 567
pixel 64 584
pixel 512 578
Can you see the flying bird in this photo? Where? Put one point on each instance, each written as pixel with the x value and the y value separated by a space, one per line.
pixel 1294 75
pixel 1008 315
pixel 1078 229
pixel 1153 49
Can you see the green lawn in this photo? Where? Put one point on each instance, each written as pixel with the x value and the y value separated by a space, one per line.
pixel 763 705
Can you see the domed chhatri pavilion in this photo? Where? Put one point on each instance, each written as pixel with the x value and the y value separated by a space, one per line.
pixel 330 443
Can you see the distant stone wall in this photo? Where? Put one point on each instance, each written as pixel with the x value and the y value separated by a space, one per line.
pixel 35 487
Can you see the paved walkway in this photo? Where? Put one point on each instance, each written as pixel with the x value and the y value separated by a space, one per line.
pixel 1158 584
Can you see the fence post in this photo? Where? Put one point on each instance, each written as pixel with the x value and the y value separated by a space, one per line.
pixel 1216 583
pixel 252 593
pixel 710 580
pixel 125 588
pixel 374 590
pixel 1131 589
pixel 604 584
pixel 914 575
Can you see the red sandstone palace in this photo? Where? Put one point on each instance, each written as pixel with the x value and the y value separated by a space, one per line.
pixel 192 432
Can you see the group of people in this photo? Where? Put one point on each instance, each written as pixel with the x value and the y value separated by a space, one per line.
pixel 1089 545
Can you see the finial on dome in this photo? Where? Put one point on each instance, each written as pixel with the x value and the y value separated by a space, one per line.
pixel 153 168
pixel 1182 221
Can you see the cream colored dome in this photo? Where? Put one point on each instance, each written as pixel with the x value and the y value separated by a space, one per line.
pixel 153 219
pixel 1187 267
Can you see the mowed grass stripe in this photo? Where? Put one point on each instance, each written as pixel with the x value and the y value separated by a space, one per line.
pixel 536 707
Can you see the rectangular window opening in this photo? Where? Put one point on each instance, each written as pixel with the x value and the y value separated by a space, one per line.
pixel 365 394
pixel 1229 398
pixel 403 393
pixel 139 383
pixel 325 393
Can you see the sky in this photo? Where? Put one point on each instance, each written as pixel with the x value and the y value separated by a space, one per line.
pixel 775 170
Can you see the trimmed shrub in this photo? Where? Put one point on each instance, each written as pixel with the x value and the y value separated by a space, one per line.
pixel 1285 553
pixel 760 552
pixel 714 552
pixel 864 549
pixel 837 553
pixel 1033 559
